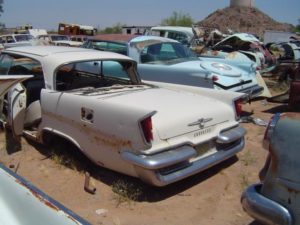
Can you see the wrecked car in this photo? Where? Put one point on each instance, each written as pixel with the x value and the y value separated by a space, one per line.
pixel 14 40
pixel 97 101
pixel 59 40
pixel 165 60
pixel 248 45
pixel 185 35
pixel 276 200
pixel 285 50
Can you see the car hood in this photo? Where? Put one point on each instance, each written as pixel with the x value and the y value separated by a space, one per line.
pixel 177 113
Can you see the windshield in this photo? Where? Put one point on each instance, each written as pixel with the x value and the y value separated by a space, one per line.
pixel 59 38
pixel 23 37
pixel 165 52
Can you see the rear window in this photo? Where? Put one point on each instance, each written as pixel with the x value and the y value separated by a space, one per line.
pixel 96 74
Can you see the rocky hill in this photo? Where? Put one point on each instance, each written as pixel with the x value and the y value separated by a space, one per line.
pixel 243 19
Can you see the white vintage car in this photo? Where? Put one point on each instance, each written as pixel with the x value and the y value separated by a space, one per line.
pixel 97 101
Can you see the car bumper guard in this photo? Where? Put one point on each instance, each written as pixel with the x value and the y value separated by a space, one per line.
pixel 263 209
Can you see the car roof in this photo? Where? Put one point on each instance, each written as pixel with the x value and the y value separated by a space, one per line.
pixel 113 37
pixel 51 57
pixel 187 30
pixel 58 51
pixel 5 35
pixel 152 38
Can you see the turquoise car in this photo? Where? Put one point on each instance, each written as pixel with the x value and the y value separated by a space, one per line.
pixel 165 60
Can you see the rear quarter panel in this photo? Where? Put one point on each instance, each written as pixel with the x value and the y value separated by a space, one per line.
pixel 102 135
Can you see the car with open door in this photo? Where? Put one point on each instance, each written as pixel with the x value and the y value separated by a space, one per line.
pixel 97 101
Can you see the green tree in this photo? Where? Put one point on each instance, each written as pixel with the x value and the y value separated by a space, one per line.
pixel 178 19
pixel 116 29
pixel 298 26
pixel 1 7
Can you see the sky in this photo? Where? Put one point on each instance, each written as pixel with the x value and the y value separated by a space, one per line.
pixel 106 13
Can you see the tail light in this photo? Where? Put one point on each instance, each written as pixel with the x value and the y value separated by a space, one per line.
pixel 269 131
pixel 215 78
pixel 146 125
pixel 238 108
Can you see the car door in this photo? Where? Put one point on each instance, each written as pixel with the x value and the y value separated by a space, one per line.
pixel 16 98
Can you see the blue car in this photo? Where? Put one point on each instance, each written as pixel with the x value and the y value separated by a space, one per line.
pixel 165 60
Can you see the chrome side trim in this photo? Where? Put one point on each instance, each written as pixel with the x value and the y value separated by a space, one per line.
pixel 160 160
pixel 231 135
pixel 263 209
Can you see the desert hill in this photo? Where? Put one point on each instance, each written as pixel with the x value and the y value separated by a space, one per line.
pixel 243 19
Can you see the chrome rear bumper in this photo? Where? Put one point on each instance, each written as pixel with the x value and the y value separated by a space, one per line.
pixel 263 209
pixel 177 162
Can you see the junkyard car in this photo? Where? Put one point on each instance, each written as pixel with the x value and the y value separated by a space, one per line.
pixel 97 101
pixel 276 200
pixel 166 60
pixel 286 50
pixel 14 40
pixel 57 39
pixel 248 45
pixel 184 35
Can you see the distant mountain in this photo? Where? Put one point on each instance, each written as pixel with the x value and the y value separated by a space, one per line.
pixel 243 19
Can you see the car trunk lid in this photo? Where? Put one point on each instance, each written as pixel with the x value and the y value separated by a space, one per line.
pixel 178 113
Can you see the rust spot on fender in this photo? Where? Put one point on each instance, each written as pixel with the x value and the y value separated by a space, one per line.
pixel 94 135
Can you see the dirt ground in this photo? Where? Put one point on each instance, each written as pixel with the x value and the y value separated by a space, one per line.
pixel 212 197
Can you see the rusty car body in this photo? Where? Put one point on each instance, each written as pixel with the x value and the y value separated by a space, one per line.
pixel 276 200
pixel 97 101
pixel 248 45
pixel 285 50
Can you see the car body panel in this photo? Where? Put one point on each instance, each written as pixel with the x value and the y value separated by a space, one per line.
pixel 22 203
pixel 250 46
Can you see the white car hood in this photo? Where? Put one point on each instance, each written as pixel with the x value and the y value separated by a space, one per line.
pixel 176 111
